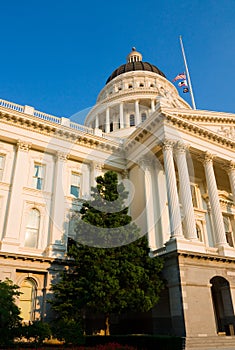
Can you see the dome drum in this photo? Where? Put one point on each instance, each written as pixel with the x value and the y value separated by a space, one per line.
pixel 130 96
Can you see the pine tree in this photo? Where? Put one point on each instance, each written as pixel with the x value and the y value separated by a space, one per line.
pixel 10 319
pixel 116 279
pixel 105 221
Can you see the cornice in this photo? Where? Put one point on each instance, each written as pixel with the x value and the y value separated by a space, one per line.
pixel 199 256
pixel 58 131
pixel 201 115
pixel 32 258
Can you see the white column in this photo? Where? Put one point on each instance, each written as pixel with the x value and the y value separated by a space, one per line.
pixel 137 113
pixel 56 242
pixel 12 228
pixel 152 105
pixel 185 192
pixel 231 174
pixel 147 166
pixel 121 115
pixel 97 121
pixel 217 217
pixel 172 194
pixel 107 120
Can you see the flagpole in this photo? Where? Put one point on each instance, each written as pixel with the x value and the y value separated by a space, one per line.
pixel 187 73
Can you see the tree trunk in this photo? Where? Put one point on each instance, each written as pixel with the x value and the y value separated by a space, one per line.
pixel 107 332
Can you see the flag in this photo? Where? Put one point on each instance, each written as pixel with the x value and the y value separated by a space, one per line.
pixel 180 76
pixel 183 83
pixel 185 90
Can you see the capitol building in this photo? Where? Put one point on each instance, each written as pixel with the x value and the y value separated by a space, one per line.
pixel 179 166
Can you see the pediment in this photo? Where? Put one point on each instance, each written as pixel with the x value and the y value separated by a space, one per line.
pixel 223 124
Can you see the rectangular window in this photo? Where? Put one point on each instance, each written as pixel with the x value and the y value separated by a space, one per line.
pixel 32 229
pixel 75 185
pixel 132 120
pixel 2 161
pixel 38 176
pixel 228 230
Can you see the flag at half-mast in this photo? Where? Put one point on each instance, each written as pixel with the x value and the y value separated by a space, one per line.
pixel 183 83
pixel 180 76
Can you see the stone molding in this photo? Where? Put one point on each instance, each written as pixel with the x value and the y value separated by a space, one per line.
pixel 58 131
pixel 23 146
pixel 61 156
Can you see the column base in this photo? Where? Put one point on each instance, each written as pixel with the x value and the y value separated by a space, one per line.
pixel 9 245
pixel 184 244
pixel 55 251
pixel 226 250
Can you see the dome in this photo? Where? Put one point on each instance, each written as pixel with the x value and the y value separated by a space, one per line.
pixel 134 63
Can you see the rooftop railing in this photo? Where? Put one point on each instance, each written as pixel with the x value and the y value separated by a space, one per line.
pixel 57 120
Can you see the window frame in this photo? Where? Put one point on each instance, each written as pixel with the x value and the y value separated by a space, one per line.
pixel 31 230
pixel 38 179
pixel 132 119
pixel 76 186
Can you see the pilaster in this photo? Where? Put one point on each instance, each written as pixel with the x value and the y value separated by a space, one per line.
pixel 57 242
pixel 13 223
pixel 231 173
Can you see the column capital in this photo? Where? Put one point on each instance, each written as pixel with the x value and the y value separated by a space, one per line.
pixel 125 174
pixel 181 147
pixel 62 156
pixel 146 162
pixel 167 144
pixel 230 166
pixel 206 158
pixel 23 146
pixel 97 166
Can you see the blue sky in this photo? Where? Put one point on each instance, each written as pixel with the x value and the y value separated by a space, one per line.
pixel 57 55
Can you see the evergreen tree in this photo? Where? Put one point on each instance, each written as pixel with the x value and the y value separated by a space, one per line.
pixel 105 221
pixel 116 279
pixel 10 319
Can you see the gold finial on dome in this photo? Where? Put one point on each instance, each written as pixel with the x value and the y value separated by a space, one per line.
pixel 134 56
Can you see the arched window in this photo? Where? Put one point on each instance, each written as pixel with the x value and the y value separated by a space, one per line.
pixel 32 229
pixel 143 117
pixel 27 299
pixel 132 120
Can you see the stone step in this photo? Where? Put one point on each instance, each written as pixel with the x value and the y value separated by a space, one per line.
pixel 206 343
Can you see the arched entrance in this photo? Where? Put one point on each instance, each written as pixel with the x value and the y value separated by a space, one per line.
pixel 223 306
pixel 27 299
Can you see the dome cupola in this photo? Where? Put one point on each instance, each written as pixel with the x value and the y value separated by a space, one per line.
pixel 134 56
pixel 134 63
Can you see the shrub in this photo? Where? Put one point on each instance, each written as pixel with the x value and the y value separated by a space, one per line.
pixel 68 330
pixel 36 331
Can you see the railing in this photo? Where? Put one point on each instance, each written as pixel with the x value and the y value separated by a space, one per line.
pixel 11 105
pixel 82 128
pixel 48 117
pixel 53 119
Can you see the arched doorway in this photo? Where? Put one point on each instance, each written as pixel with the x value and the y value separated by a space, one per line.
pixel 223 306
pixel 27 299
